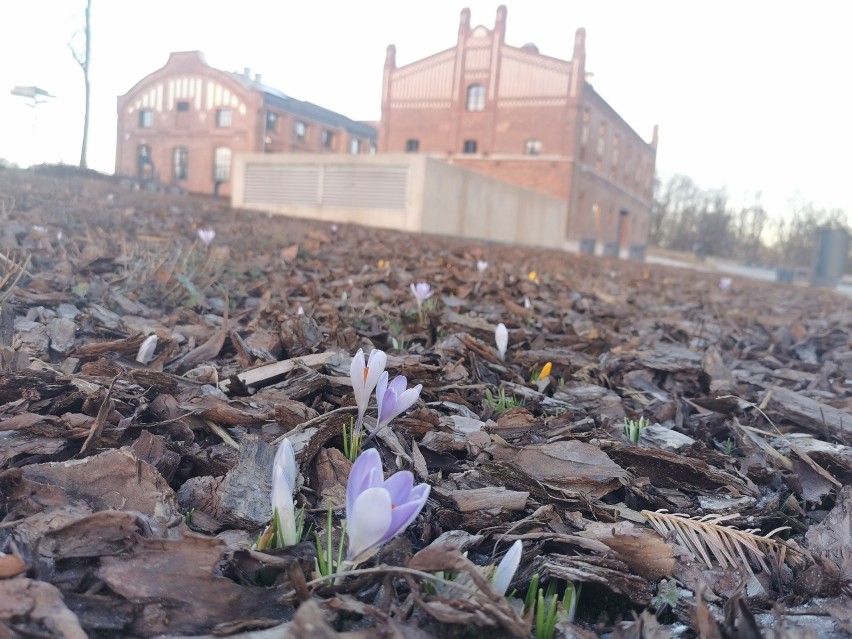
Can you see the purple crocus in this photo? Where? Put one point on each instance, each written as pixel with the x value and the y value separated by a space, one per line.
pixel 378 509
pixel 206 235
pixel 393 399
pixel 364 377
pixel 422 291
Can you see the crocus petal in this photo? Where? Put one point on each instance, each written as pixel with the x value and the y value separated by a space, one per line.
pixel 406 400
pixel 398 384
pixel 283 506
pixel 399 486
pixel 368 521
pixel 396 400
pixel 356 376
pixel 507 567
pixel 381 392
pixel 501 337
pixel 403 514
pixel 375 367
pixel 285 458
pixel 365 473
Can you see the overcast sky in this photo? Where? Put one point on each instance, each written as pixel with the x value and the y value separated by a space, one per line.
pixel 752 96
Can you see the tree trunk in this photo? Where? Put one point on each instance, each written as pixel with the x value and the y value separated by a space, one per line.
pixel 84 64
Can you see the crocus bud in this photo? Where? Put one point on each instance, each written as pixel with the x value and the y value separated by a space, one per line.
pixel 507 567
pixel 501 336
pixel 146 350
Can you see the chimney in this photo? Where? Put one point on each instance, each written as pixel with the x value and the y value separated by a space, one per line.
pixel 500 23
pixel 258 78
pixel 464 23
pixel 247 72
pixel 390 57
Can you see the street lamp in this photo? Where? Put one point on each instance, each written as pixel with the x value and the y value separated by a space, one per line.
pixel 34 96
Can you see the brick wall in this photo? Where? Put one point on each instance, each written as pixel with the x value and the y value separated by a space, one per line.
pixel 582 150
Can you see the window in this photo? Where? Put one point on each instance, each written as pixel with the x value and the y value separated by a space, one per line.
pixel 412 146
pixel 180 165
pixel 587 118
pixel 584 136
pixel 469 146
pixel 182 106
pixel 223 118
pixel 599 160
pixel 271 121
pixel 326 138
pixel 144 167
pixel 354 146
pixel 601 139
pixel 475 97
pixel 222 164
pixel 613 164
pixel 146 119
pixel 532 147
pixel 300 129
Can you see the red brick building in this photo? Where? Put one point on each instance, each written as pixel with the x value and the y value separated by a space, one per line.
pixel 182 124
pixel 529 119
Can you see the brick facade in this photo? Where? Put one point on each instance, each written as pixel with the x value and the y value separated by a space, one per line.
pixel 529 119
pixel 182 124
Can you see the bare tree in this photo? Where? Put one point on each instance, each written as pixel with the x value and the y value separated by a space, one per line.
pixel 84 59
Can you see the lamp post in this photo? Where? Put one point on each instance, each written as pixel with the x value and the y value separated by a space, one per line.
pixel 34 96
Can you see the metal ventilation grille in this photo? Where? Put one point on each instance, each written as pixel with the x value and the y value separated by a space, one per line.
pixel 282 184
pixel 367 187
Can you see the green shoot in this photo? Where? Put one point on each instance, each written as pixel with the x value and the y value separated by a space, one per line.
pixel 633 428
pixel 502 402
pixel 545 612
pixel 326 562
pixel 273 535
pixel 546 609
pixel 569 600
pixel 529 600
pixel 351 441
pixel 729 447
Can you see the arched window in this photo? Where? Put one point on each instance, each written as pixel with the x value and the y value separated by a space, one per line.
pixel 532 147
pixel 221 164
pixel 475 97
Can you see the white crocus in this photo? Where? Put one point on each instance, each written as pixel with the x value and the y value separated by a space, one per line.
pixel 206 235
pixel 364 377
pixel 283 485
pixel 146 350
pixel 501 336
pixel 481 265
pixel 507 567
